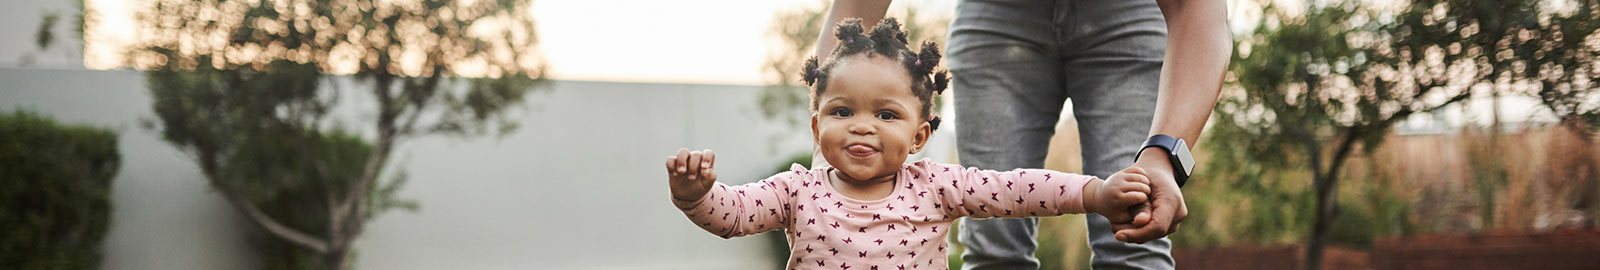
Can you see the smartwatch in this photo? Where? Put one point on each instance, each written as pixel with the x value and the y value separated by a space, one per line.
pixel 1177 152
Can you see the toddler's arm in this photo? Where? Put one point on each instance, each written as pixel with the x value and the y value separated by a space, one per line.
pixel 1034 192
pixel 726 211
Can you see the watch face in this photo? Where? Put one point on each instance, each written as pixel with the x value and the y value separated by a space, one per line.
pixel 1182 152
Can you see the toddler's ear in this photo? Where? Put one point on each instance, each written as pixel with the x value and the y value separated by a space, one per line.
pixel 920 140
pixel 816 136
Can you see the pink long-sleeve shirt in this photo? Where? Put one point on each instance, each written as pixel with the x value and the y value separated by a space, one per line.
pixel 905 230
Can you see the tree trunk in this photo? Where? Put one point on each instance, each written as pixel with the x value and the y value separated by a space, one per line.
pixel 1488 184
pixel 1326 209
pixel 1325 182
pixel 336 259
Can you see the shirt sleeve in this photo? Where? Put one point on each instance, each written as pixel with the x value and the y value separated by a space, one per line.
pixel 731 211
pixel 979 193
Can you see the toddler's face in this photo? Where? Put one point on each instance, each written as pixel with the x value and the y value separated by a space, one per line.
pixel 868 120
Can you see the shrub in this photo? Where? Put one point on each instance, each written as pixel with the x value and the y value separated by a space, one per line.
pixel 55 191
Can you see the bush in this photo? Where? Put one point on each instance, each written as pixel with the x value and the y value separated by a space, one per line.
pixel 55 185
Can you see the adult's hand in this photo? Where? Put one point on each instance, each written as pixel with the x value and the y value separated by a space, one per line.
pixel 1166 209
pixel 1198 47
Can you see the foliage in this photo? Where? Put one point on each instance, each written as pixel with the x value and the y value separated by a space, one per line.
pixel 55 182
pixel 796 30
pixel 1321 86
pixel 241 86
pixel 1314 89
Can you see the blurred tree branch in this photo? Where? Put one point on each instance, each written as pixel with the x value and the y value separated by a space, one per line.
pixel 240 86
pixel 1322 84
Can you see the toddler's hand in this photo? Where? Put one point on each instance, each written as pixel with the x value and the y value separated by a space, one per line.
pixel 1121 196
pixel 690 174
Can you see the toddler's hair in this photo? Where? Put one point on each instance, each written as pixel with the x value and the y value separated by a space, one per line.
pixel 889 41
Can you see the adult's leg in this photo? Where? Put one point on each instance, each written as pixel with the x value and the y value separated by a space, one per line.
pixel 1008 98
pixel 1112 72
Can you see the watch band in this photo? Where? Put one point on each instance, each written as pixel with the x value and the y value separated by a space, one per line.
pixel 1177 153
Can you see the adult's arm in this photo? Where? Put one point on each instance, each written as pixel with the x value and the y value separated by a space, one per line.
pixel 1198 47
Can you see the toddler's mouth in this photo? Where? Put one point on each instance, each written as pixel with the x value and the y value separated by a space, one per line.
pixel 860 150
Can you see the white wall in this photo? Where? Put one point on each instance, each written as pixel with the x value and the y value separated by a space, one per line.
pixel 163 214
pixel 580 186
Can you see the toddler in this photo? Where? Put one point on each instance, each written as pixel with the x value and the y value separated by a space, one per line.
pixel 870 210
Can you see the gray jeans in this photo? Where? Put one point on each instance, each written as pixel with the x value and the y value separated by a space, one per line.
pixel 1014 64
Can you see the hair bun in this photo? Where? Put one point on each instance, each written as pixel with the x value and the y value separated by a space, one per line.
pixel 928 58
pixel 888 32
pixel 809 73
pixel 849 34
pixel 933 122
pixel 848 27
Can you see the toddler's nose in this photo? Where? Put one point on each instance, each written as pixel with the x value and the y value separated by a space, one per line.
pixel 862 129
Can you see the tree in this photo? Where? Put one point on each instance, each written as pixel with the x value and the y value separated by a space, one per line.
pixel 796 30
pixel 55 185
pixel 1560 50
pixel 1323 83
pixel 1544 49
pixel 44 36
pixel 1493 40
pixel 241 87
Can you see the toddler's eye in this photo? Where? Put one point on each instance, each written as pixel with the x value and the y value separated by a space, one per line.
pixel 842 112
pixel 886 115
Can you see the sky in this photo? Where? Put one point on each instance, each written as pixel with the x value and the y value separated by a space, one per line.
pixel 707 41
pixel 692 41
pixel 697 41
pixel 701 41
